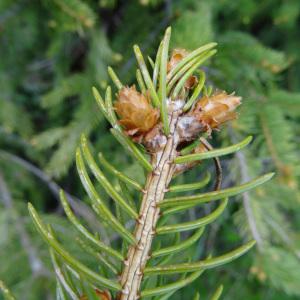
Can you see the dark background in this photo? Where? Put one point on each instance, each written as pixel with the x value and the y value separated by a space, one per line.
pixel 52 52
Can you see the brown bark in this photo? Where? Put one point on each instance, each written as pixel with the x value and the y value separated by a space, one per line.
pixel 156 186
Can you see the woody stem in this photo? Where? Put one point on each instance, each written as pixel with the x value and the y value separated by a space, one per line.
pixel 156 186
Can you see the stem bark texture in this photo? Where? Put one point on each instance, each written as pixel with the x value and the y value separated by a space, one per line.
pixel 156 186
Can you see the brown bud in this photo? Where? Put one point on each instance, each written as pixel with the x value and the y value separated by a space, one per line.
pixel 102 295
pixel 191 82
pixel 135 111
pixel 217 109
pixel 176 56
pixel 200 149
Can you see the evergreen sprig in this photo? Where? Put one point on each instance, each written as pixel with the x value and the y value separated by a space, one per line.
pixel 131 255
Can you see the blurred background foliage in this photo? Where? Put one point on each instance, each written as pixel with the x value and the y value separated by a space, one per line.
pixel 52 52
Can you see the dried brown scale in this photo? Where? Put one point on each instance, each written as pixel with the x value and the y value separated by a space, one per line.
pixel 176 56
pixel 102 295
pixel 215 110
pixel 136 113
pixel 191 82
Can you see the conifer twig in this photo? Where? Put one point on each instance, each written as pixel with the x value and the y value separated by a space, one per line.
pixel 37 266
pixel 6 292
pixel 79 207
pixel 162 129
pixel 246 197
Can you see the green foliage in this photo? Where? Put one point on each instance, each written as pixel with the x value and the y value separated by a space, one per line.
pixel 87 277
pixel 190 22
pixel 54 51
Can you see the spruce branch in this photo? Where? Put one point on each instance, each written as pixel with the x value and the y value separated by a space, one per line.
pixel 79 207
pixel 36 265
pixel 246 197
pixel 164 126
pixel 6 292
